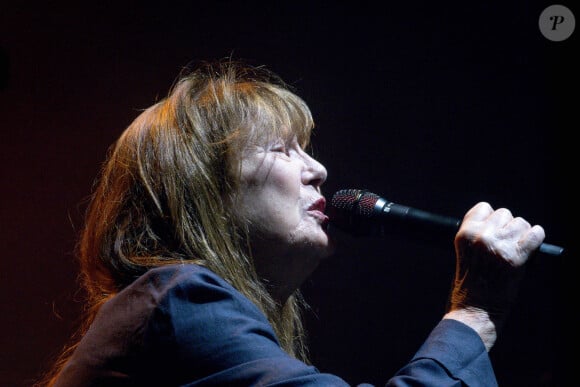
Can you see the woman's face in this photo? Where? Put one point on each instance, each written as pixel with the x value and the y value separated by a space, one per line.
pixel 280 197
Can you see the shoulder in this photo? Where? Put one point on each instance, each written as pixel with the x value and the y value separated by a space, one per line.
pixel 183 323
pixel 181 309
pixel 175 304
pixel 168 276
pixel 174 290
pixel 180 280
pixel 171 278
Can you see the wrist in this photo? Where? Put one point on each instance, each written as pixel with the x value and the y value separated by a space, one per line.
pixel 477 319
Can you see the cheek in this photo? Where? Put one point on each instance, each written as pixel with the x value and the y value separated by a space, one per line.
pixel 271 192
pixel 277 210
pixel 278 186
pixel 280 208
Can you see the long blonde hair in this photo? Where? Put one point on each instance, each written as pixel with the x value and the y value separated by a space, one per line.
pixel 167 188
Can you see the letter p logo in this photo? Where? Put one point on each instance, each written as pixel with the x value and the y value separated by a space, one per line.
pixel 557 23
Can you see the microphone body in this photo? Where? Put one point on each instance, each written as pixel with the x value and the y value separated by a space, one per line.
pixel 362 213
pixel 384 208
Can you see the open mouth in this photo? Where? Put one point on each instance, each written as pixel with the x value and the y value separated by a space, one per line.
pixel 319 205
pixel 317 210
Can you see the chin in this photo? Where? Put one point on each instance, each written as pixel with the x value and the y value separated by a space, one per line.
pixel 325 246
pixel 329 251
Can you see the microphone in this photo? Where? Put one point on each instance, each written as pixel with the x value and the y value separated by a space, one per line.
pixel 363 213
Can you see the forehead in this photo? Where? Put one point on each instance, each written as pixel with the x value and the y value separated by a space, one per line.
pixel 275 113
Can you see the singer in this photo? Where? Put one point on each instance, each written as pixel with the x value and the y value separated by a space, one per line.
pixel 206 220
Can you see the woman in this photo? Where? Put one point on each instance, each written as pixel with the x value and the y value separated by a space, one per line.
pixel 207 218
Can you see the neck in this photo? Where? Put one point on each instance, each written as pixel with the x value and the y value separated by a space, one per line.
pixel 283 274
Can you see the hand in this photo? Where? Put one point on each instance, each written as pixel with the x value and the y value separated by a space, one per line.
pixel 492 248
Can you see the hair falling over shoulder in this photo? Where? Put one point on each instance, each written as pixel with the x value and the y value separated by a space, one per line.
pixel 165 192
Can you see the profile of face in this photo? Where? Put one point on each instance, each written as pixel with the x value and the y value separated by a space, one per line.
pixel 280 197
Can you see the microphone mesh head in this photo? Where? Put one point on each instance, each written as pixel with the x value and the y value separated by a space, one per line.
pixel 367 204
pixel 355 201
pixel 353 210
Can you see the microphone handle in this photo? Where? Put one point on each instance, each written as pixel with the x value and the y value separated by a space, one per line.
pixel 420 216
pixel 550 249
pixel 426 218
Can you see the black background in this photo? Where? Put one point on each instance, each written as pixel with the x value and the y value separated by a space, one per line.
pixel 436 105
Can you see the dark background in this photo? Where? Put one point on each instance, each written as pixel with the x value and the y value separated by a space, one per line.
pixel 436 105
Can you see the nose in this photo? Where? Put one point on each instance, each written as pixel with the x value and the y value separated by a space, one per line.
pixel 314 172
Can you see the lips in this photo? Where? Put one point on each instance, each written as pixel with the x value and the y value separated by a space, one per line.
pixel 317 210
pixel 319 205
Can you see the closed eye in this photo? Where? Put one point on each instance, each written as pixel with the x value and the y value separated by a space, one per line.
pixel 286 147
pixel 280 147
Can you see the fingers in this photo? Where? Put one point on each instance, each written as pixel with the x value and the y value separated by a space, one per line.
pixel 499 232
pixel 492 246
pixel 532 239
pixel 479 212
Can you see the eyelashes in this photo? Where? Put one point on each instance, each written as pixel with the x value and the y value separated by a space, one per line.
pixel 280 148
pixel 286 147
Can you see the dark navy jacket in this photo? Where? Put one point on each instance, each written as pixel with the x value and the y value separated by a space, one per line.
pixel 182 325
